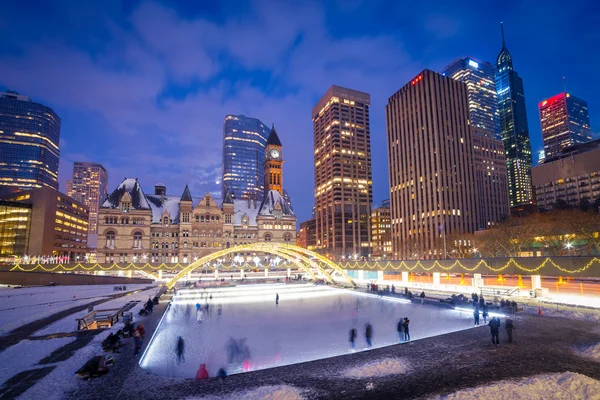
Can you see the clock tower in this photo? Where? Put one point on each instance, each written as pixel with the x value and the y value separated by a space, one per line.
pixel 273 163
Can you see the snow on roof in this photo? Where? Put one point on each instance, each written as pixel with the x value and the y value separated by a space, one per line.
pixel 131 186
pixel 240 208
pixel 268 205
pixel 171 205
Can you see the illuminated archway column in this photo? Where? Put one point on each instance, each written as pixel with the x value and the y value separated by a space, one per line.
pixel 216 273
pixel 266 272
pixel 405 277
pixel 436 278
pixel 478 281
pixel 121 273
pixel 241 273
pixel 160 274
pixel 189 276
pixel 536 282
pixel 361 275
pixel 129 273
pixel 289 272
pixel 380 276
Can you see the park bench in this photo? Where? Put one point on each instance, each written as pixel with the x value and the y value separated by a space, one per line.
pixel 87 322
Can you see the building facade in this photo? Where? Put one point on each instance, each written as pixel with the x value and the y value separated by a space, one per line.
pixel 381 232
pixel 572 176
pixel 29 140
pixel 514 130
pixel 59 224
pixel 244 141
pixel 136 227
pixel 89 186
pixel 307 235
pixel 15 226
pixel 491 180
pixel 565 122
pixel 479 76
pixel 342 168
pixel 431 166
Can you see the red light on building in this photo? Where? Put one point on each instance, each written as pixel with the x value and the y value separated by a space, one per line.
pixel 553 99
pixel 417 79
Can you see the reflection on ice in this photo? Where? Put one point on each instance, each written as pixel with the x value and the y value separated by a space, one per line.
pixel 242 328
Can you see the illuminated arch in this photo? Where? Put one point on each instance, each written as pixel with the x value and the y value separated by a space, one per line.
pixel 303 258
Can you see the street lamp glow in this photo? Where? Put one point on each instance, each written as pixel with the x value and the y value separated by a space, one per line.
pixel 569 245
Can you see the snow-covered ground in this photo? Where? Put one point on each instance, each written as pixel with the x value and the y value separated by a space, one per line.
pixel 278 392
pixel 384 367
pixel 310 322
pixel 68 324
pixel 26 354
pixel 592 352
pixel 22 306
pixel 566 385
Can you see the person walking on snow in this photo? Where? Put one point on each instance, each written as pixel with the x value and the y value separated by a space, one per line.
pixel 368 334
pixel 276 298
pixel 510 325
pixel 485 315
pixel 476 316
pixel 494 329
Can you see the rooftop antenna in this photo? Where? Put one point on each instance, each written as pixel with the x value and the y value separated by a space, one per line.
pixel 565 83
pixel 502 30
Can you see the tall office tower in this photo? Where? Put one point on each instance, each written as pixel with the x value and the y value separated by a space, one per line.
pixel 565 122
pixel 512 116
pixel 90 187
pixel 488 149
pixel 479 76
pixel 343 184
pixel 29 139
pixel 430 151
pixel 244 141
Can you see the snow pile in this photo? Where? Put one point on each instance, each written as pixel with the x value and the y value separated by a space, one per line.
pixel 592 352
pixel 26 354
pixel 278 392
pixel 385 367
pixel 566 385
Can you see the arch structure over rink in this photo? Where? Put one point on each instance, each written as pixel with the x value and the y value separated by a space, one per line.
pixel 302 258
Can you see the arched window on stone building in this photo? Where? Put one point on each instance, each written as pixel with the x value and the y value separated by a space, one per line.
pixel 287 237
pixel 268 237
pixel 110 239
pixel 137 240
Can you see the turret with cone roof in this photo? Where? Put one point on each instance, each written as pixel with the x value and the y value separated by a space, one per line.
pixel 273 138
pixel 186 196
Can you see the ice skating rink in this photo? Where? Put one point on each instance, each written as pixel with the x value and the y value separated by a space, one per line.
pixel 310 322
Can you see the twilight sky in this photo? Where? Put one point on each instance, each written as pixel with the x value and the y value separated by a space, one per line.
pixel 143 86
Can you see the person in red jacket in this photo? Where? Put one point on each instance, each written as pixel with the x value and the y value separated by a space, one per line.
pixel 202 373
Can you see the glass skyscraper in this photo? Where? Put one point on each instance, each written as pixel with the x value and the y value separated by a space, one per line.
pixel 565 121
pixel 90 187
pixel 479 76
pixel 29 138
pixel 244 141
pixel 514 131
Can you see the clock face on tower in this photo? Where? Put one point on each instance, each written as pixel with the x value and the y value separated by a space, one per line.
pixel 274 153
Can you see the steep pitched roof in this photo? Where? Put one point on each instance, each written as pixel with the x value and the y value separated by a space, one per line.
pixel 134 189
pixel 272 198
pixel 186 196
pixel 228 199
pixel 273 138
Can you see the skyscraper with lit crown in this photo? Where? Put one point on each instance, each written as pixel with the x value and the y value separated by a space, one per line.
pixel 514 130
pixel 565 122
pixel 89 186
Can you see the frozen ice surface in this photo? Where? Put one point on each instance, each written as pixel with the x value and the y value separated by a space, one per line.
pixel 26 354
pixel 21 306
pixel 566 385
pixel 592 352
pixel 310 322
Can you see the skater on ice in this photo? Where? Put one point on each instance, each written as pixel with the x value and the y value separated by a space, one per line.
pixel 476 316
pixel 406 331
pixel 180 350
pixel 368 334
pixel 509 326
pixel 401 331
pixel 494 330
pixel 352 338
pixel 276 299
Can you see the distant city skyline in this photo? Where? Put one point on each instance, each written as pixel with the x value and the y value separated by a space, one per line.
pixel 122 88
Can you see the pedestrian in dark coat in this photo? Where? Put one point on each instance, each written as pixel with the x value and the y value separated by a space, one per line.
pixel 476 317
pixel 352 337
pixel 485 315
pixel 137 339
pixel 276 298
pixel 400 328
pixel 149 306
pixel 494 330
pixel 368 334
pixel 406 331
pixel 510 325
